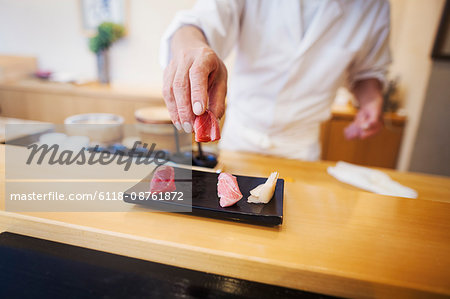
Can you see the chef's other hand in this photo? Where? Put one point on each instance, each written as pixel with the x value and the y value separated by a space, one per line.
pixel 368 120
pixel 195 79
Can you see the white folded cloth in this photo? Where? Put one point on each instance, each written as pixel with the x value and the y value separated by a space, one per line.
pixel 370 180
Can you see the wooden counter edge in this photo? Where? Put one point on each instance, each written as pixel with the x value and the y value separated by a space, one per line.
pixel 207 260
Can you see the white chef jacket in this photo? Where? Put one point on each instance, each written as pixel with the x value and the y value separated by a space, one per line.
pixel 290 60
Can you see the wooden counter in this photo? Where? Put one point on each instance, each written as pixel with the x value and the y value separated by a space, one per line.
pixel 335 239
pixel 27 130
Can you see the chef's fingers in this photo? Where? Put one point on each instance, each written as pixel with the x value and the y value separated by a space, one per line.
pixel 199 73
pixel 168 96
pixel 217 95
pixel 372 130
pixel 371 123
pixel 352 131
pixel 182 93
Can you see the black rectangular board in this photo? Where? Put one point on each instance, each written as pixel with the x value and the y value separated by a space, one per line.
pixel 205 202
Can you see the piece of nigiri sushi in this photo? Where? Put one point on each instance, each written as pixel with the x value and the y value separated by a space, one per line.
pixel 228 190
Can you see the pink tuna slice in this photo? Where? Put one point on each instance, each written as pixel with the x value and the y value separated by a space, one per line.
pixel 163 179
pixel 206 127
pixel 228 190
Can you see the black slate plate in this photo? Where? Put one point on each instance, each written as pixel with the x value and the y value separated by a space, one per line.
pixel 205 202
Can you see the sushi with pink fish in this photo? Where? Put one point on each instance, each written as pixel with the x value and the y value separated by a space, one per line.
pixel 228 190
pixel 163 179
pixel 206 127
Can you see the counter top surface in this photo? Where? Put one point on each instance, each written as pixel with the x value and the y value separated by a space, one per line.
pixel 27 130
pixel 335 239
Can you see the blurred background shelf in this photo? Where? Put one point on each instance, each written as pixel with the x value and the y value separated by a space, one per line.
pixel 39 100
pixel 16 67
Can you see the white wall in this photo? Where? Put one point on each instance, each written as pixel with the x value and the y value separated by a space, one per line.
pixel 51 30
pixel 431 152
pixel 414 26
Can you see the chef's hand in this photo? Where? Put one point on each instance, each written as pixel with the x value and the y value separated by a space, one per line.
pixel 368 120
pixel 195 79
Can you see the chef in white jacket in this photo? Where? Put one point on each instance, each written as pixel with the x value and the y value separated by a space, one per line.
pixel 291 57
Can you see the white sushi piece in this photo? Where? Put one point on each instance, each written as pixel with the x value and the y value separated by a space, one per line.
pixel 263 193
pixel 255 192
pixel 253 199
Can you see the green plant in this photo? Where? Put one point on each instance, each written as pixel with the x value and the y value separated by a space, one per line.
pixel 107 34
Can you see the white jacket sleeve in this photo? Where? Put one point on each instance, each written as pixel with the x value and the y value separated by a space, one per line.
pixel 218 19
pixel 373 60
